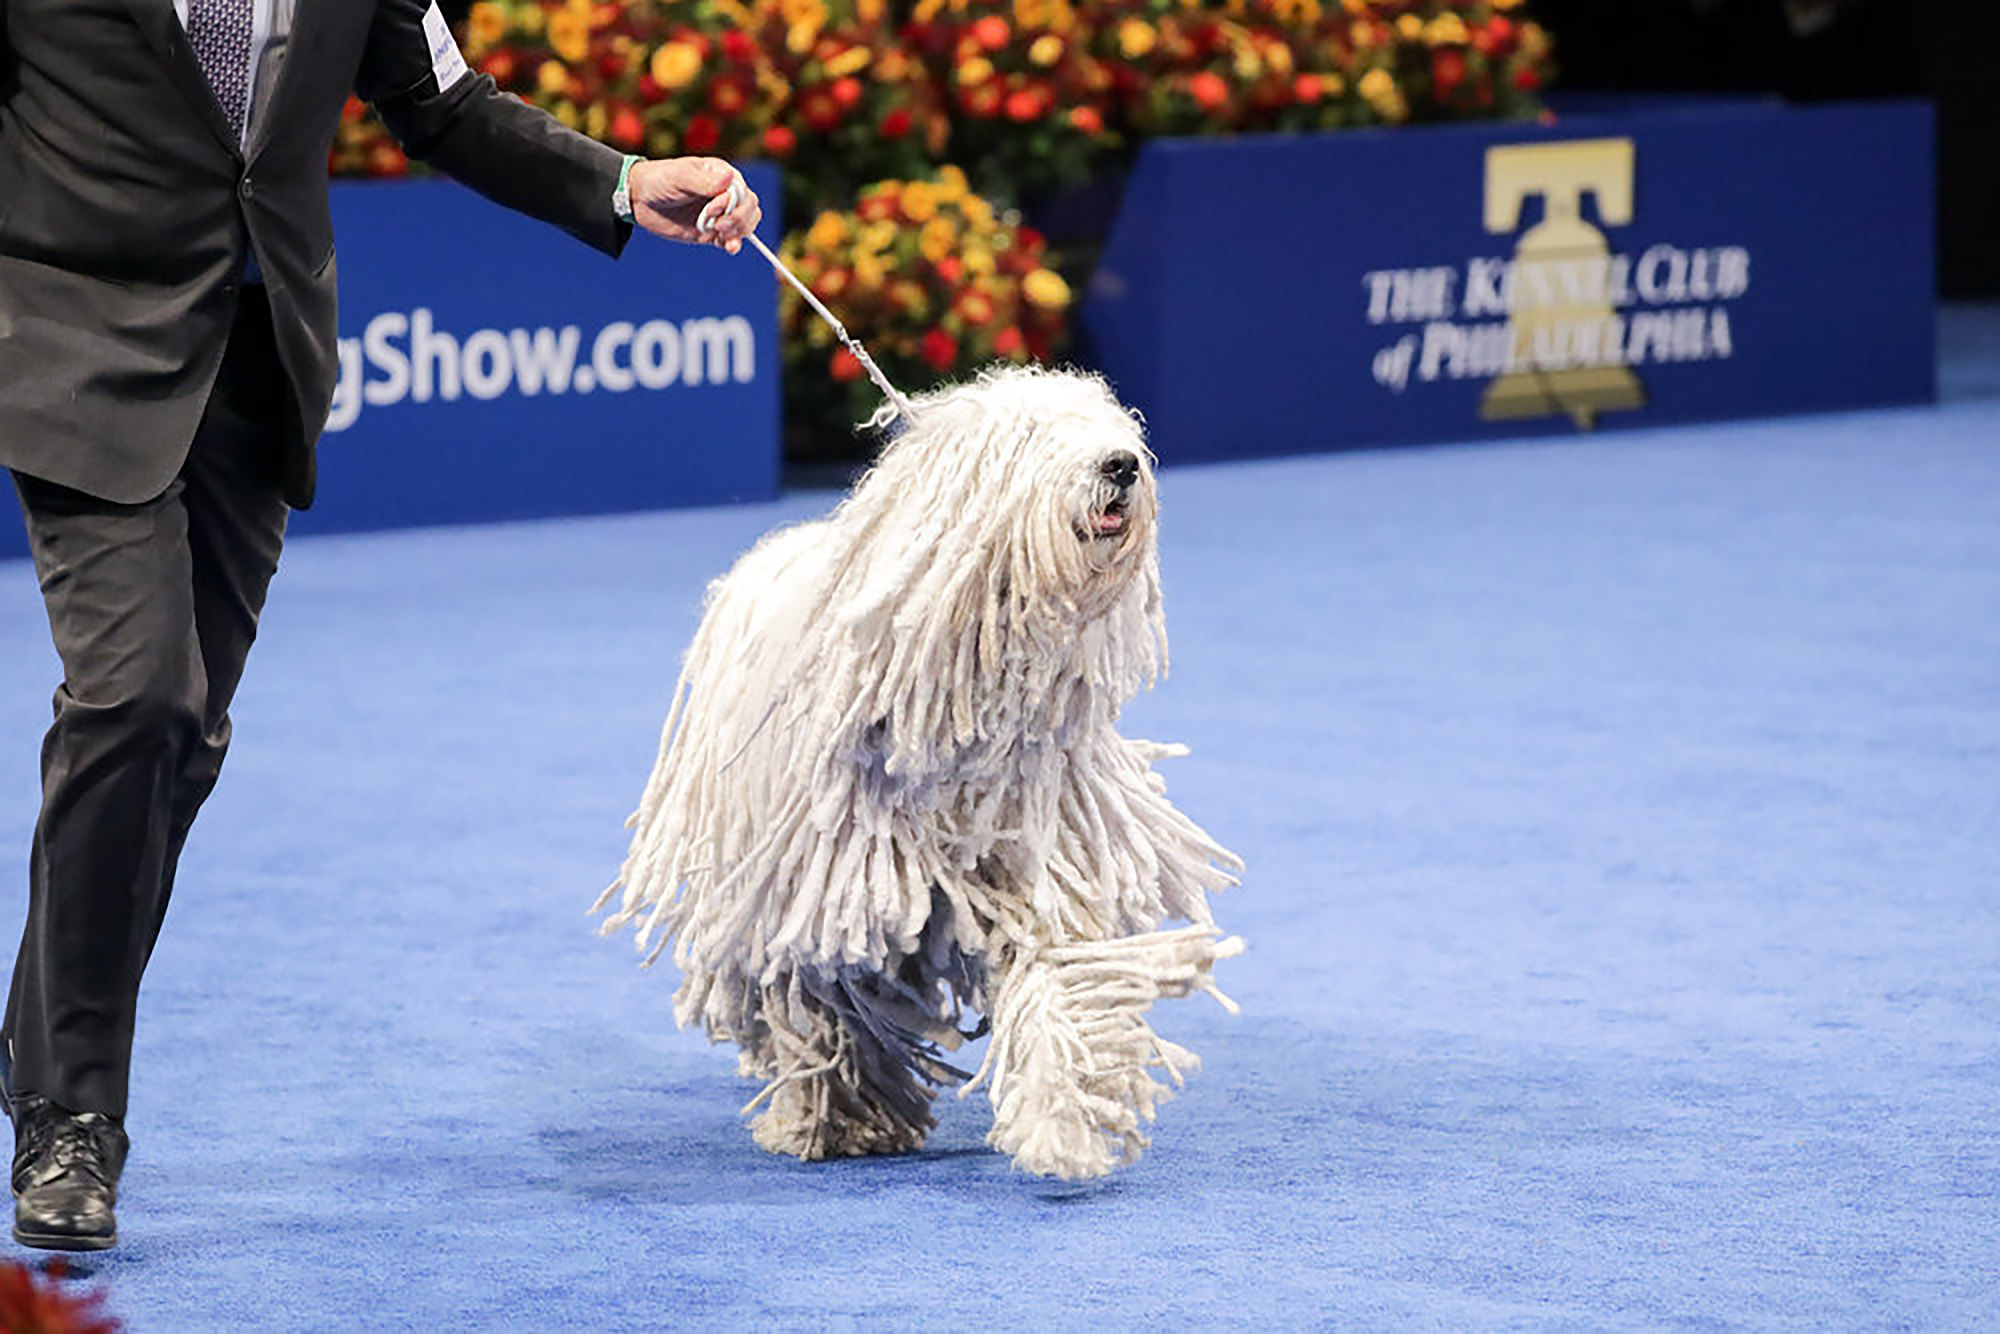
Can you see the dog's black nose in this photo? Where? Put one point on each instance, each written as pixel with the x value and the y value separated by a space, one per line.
pixel 1121 469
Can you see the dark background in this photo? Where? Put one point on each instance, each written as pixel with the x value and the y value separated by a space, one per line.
pixel 1820 50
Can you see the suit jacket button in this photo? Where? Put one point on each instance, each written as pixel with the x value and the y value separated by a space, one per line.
pixel 246 189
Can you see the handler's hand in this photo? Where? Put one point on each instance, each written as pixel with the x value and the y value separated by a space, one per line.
pixel 669 196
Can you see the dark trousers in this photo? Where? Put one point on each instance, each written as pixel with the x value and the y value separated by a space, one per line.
pixel 153 608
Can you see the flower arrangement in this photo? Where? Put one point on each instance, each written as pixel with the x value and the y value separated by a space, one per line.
pixel 1029 99
pixel 933 281
pixel 1025 94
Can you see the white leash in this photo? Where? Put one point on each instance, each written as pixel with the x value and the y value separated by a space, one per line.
pixel 706 223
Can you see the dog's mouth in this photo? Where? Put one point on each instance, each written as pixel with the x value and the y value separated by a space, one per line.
pixel 1109 521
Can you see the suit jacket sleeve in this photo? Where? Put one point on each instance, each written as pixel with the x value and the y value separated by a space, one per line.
pixel 512 153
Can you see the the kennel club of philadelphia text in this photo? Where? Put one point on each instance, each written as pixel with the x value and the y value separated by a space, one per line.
pixel 405 358
pixel 1500 316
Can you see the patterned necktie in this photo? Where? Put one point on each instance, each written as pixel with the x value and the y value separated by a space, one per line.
pixel 219 33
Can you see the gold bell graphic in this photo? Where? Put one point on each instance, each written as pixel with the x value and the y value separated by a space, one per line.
pixel 1560 281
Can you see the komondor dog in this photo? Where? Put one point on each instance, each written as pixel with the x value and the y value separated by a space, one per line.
pixel 890 794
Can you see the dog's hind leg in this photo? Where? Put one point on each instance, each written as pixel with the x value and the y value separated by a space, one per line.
pixel 855 1063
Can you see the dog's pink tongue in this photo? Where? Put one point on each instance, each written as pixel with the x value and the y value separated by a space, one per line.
pixel 1110 523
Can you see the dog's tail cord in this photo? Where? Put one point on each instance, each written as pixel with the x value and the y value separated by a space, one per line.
pixel 847 340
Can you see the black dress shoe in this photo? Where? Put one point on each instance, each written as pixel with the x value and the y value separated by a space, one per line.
pixel 66 1167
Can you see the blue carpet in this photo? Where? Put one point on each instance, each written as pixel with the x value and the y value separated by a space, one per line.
pixel 1622 815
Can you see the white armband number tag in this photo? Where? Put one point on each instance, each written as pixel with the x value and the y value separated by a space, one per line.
pixel 446 61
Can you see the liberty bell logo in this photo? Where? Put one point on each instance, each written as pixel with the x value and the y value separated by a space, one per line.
pixel 1558 284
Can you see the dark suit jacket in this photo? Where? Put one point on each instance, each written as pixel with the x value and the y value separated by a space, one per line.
pixel 126 208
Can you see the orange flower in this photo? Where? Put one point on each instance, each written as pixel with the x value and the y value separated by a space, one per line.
pixel 845 366
pixel 1087 119
pixel 780 141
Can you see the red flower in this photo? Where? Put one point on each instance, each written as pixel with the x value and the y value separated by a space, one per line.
pixel 821 112
pixel 736 44
pixel 702 134
pixel 1023 104
pixel 1447 69
pixel 729 96
pixel 1207 89
pixel 1496 37
pixel 940 350
pixel 845 366
pixel 896 124
pixel 1008 341
pixel 627 130
pixel 846 92
pixel 779 141
pixel 650 91
pixel 1307 88
pixel 500 65
pixel 1528 79
pixel 992 32
pixel 950 268
pixel 1029 239
pixel 878 207
pixel 1087 119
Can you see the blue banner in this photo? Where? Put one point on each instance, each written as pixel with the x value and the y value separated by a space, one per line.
pixel 493 368
pixel 1296 293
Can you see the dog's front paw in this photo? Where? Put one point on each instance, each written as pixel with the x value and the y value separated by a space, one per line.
pixel 817 1116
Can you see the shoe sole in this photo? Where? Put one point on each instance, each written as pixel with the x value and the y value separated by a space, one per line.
pixel 61 1241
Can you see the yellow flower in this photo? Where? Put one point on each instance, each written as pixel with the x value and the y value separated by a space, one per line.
pixel 1136 37
pixel 553 77
pixel 927 10
pixel 1332 85
pixel 675 64
pixel 869 272
pixel 1447 30
pixel 1410 27
pixel 1377 84
pixel 978 260
pixel 1357 6
pixel 799 38
pixel 569 35
pixel 486 25
pixel 951 184
pixel 566 113
pixel 851 61
pixel 829 229
pixel 1363 36
pixel 1279 57
pixel 1505 4
pixel 529 19
pixel 937 238
pixel 973 72
pixel 869 11
pixel 874 238
pixel 1046 50
pixel 919 202
pixel 978 213
pixel 595 119
pixel 1046 289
